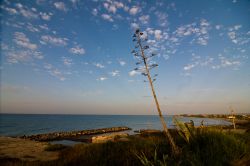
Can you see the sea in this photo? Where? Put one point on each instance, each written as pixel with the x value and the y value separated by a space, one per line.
pixel 30 124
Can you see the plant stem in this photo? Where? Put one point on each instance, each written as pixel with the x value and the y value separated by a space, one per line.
pixel 166 131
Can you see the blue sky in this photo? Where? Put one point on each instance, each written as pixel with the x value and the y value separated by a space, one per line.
pixel 75 56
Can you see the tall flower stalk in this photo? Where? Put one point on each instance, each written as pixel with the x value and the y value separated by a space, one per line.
pixel 145 65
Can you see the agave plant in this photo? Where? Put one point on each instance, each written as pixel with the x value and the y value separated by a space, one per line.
pixel 145 65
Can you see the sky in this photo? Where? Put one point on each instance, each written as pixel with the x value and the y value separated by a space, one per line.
pixel 74 57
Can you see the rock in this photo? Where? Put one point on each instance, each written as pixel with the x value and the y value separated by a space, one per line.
pixel 72 134
pixel 109 137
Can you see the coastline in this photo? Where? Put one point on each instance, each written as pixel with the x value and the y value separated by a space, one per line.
pixel 34 146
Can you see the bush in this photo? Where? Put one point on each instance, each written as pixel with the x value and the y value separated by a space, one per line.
pixel 213 148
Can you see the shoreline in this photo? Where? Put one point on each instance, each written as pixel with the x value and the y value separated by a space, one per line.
pixel 32 148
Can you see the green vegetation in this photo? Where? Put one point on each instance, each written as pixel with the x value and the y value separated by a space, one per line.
pixel 205 147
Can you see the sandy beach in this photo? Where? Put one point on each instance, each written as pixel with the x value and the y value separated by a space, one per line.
pixel 25 149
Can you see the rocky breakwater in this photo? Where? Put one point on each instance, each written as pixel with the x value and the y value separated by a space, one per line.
pixel 72 134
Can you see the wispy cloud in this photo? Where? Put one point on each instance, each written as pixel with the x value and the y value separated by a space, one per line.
pixel 54 40
pixel 60 6
pixel 10 10
pixel 99 65
pixel 58 74
pixel 122 63
pixel 23 56
pixel 45 16
pixel 158 34
pixel 102 79
pixel 54 71
pixel 27 12
pixel 94 12
pixel 110 7
pixel 22 40
pixel 32 28
pixel 162 18
pixel 134 25
pixel 189 67
pixel 133 73
pixel 144 19
pixel 77 50
pixel 213 63
pixel 115 73
pixel 67 61
pixel 107 17
pixel 134 10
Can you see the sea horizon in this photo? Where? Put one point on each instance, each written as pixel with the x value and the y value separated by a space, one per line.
pixel 29 124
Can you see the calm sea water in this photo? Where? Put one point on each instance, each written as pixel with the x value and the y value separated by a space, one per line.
pixel 28 124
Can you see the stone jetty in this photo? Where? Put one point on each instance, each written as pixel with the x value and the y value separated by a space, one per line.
pixel 72 134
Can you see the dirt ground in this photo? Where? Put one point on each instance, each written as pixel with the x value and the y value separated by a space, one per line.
pixel 25 149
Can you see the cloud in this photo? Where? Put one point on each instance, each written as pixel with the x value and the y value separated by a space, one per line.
pixel 202 41
pixel 17 57
pixel 118 4
pixel 213 63
pixel 237 27
pixel 22 40
pixel 134 10
pixel 218 27
pixel 37 55
pixel 22 56
pixel 32 28
pixel 158 34
pixel 74 2
pixel 107 17
pixel 54 40
pixel 4 46
pixel 45 16
pixel 110 8
pixel 47 66
pixel 27 12
pixel 134 26
pixel 232 36
pixel 224 62
pixel 162 18
pixel 44 27
pixel 67 62
pixel 189 67
pixel 11 11
pixel 133 73
pixel 95 12
pixel 102 79
pixel 144 19
pixel 99 65
pixel 115 73
pixel 54 71
pixel 60 6
pixel 204 22
pixel 58 74
pixel 77 50
pixel 122 63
